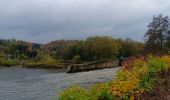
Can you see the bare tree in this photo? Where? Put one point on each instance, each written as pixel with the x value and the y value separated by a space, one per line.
pixel 157 33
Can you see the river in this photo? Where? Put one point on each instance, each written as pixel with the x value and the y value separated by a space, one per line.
pixel 42 84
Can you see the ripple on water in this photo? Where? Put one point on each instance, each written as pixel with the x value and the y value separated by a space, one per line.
pixel 40 84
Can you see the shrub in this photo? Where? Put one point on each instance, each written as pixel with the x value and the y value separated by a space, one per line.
pixel 147 83
pixel 77 59
pixel 103 95
pixel 73 93
pixel 7 62
pixel 44 59
pixel 133 62
pixel 156 64
pixel 166 59
pixel 22 57
pixel 99 92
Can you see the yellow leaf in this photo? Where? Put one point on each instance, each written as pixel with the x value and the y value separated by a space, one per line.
pixel 132 98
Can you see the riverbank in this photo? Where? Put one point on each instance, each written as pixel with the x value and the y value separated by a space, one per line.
pixel 136 78
pixel 70 67
pixel 8 62
pixel 44 65
pixel 33 63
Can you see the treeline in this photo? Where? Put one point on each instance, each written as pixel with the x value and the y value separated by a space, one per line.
pixel 14 49
pixel 93 48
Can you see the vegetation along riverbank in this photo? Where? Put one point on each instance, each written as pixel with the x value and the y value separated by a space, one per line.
pixel 61 53
pixel 143 77
pixel 137 79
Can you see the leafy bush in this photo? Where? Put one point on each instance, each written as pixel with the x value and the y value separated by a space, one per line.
pixel 103 95
pixel 166 59
pixel 99 92
pixel 73 93
pixel 156 64
pixel 133 62
pixel 7 62
pixel 44 59
pixel 147 83
pixel 22 57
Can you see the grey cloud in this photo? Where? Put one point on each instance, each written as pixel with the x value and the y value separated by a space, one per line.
pixel 45 20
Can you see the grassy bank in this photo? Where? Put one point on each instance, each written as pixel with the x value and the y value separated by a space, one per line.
pixel 136 78
pixel 44 61
pixel 45 64
pixel 39 62
pixel 8 62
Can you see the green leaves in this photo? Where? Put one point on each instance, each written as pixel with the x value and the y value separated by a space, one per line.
pixel 147 82
pixel 7 62
pixel 156 64
pixel 73 93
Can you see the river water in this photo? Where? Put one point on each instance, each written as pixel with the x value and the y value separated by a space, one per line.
pixel 42 84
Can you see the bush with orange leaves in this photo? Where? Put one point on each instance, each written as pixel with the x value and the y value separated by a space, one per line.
pixel 132 62
pixel 166 59
pixel 127 81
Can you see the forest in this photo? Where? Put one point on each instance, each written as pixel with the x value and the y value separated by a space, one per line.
pixel 73 51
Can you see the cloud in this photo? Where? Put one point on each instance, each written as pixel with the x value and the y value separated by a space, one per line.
pixel 45 20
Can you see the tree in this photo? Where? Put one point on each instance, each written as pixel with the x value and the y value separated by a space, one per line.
pixel 101 48
pixel 129 48
pixel 168 41
pixel 157 34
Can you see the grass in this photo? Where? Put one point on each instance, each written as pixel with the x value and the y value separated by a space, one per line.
pixel 44 61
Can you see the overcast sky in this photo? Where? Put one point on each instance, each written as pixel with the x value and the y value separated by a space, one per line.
pixel 45 20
